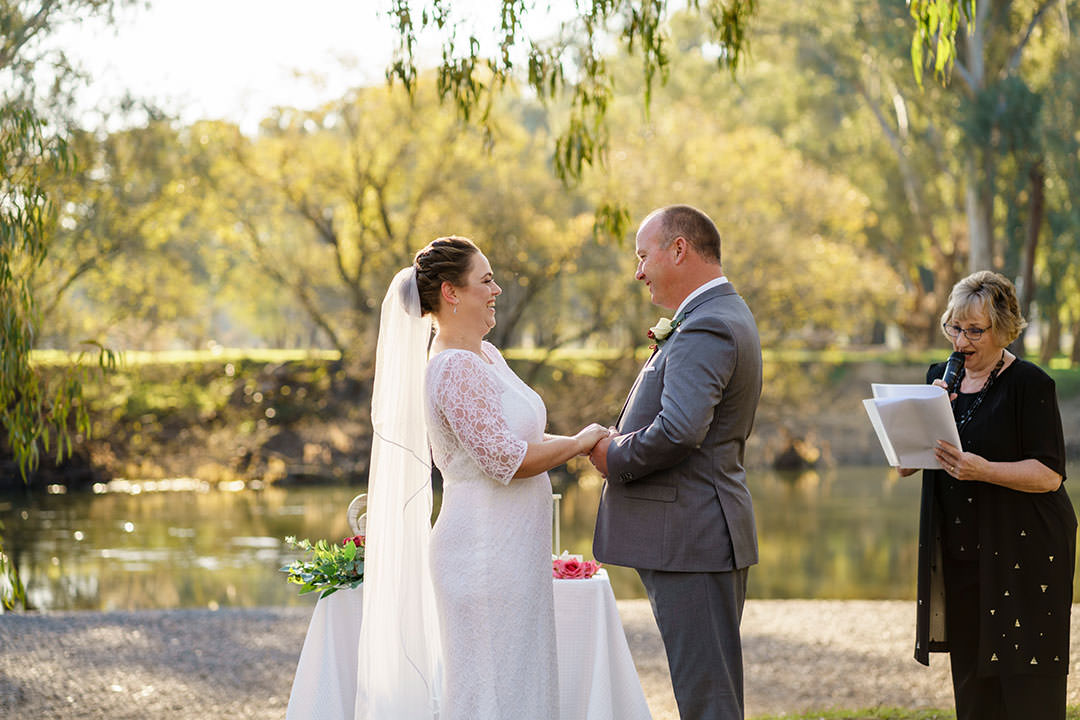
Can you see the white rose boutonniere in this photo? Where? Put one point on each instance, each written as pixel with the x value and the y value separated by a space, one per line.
pixel 663 329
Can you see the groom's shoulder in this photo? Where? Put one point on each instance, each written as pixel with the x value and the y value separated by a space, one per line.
pixel 718 305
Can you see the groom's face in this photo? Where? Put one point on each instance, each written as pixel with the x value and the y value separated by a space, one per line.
pixel 656 264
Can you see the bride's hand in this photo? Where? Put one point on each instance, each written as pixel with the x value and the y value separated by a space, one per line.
pixel 589 436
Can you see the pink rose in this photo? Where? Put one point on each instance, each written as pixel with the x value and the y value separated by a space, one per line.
pixel 357 540
pixel 572 569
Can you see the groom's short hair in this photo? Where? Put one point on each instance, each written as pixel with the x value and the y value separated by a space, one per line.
pixel 688 222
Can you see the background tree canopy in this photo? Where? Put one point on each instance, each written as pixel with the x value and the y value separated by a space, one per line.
pixel 834 177
pixel 851 195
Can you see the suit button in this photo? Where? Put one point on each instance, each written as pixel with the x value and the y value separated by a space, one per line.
pixel 626 477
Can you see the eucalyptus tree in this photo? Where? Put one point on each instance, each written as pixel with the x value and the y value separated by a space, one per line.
pixel 982 42
pixel 328 204
pixel 843 93
pixel 998 97
pixel 1056 271
pixel 570 59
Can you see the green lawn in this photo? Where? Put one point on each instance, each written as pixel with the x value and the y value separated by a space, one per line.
pixel 1072 713
pixel 869 714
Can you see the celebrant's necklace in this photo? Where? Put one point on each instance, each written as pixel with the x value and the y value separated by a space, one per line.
pixel 964 419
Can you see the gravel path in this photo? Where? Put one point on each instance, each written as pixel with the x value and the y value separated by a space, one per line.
pixel 800 655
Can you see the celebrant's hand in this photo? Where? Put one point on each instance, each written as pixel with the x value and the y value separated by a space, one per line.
pixel 961 465
pixel 589 436
pixel 904 472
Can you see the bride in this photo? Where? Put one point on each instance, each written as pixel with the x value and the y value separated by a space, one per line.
pixel 458 620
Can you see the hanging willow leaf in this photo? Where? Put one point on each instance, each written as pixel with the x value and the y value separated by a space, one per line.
pixel 569 66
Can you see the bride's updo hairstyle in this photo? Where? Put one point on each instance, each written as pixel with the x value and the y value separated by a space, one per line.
pixel 446 259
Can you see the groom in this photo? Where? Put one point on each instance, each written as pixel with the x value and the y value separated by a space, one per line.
pixel 675 505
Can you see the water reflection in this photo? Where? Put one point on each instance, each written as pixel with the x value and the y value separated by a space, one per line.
pixel 848 533
pixel 192 548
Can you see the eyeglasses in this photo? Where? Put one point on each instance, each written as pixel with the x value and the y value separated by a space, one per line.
pixel 973 333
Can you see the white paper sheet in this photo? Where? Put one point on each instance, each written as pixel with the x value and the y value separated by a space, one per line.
pixel 909 420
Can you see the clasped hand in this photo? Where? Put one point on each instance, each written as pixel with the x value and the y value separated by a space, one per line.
pixel 594 441
pixel 589 436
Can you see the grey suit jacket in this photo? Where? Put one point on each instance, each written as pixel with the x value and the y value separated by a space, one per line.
pixel 676 497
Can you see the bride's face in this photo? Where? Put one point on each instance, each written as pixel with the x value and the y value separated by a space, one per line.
pixel 476 298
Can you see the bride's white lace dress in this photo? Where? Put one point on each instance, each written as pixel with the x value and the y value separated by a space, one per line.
pixel 491 544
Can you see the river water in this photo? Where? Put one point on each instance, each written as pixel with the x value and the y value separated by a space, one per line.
pixel 841 533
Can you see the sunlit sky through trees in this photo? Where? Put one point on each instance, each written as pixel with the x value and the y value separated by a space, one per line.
pixel 237 59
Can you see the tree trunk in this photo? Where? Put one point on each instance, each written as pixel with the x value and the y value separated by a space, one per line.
pixel 1052 341
pixel 1031 242
pixel 980 251
pixel 978 197
pixel 1074 356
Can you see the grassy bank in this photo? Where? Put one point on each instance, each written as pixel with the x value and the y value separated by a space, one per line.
pixel 296 416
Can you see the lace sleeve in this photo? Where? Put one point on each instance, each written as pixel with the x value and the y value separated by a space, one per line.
pixel 469 400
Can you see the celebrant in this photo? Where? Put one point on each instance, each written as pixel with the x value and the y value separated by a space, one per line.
pixel 997 532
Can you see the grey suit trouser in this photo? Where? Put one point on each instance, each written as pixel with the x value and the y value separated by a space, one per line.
pixel 699 615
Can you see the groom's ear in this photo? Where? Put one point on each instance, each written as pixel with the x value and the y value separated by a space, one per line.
pixel 681 248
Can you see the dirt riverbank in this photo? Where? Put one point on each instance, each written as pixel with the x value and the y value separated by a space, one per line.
pixel 800 655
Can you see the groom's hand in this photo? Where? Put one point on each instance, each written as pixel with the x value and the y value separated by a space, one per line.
pixel 598 455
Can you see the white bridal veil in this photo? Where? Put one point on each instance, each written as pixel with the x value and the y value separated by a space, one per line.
pixel 399 672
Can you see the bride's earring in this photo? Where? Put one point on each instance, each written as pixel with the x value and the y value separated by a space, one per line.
pixel 455 310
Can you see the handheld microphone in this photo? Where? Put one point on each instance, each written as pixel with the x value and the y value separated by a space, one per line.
pixel 953 367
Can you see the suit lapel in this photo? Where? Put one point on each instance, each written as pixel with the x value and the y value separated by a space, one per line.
pixel 715 292
pixel 637 381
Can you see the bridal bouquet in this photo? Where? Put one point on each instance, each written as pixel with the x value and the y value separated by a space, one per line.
pixel 328 568
pixel 572 567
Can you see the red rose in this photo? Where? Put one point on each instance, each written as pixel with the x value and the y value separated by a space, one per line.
pixel 357 540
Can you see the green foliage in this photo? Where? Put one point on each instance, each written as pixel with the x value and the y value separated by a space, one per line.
pixel 1067 379
pixel 936 25
pixel 35 414
pixel 832 177
pixel 132 358
pixel 571 65
pixel 328 568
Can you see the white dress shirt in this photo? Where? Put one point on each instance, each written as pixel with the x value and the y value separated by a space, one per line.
pixel 710 284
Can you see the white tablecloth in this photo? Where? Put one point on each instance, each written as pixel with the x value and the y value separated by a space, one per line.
pixel 597 679
pixel 324 687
